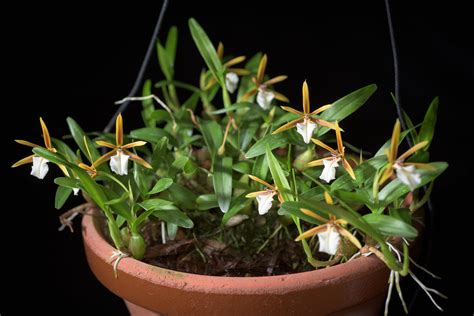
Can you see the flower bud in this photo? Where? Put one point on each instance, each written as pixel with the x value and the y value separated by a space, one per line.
pixel 137 246
pixel 125 233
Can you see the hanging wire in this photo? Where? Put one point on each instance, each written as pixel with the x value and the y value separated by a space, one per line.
pixel 429 214
pixel 143 67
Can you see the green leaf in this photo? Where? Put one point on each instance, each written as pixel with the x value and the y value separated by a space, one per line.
pixel 390 226
pixel 139 178
pixel 206 202
pixel 403 214
pixel 67 182
pixel 172 44
pixel 222 180
pixel 345 106
pixel 161 185
pixel 64 149
pixel 118 200
pixel 160 115
pixel 165 62
pixel 237 205
pixel 294 210
pixel 78 134
pixel 207 50
pixel 242 167
pixel 155 204
pixel 260 168
pixel 62 194
pixel 278 176
pixel 152 135
pixel 428 126
pixel 272 141
pixel 246 134
pixel 212 133
pixel 182 196
pixel 172 230
pixel 396 188
pixel 148 106
pixel 176 217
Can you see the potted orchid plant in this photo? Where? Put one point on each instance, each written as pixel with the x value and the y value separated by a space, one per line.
pixel 229 178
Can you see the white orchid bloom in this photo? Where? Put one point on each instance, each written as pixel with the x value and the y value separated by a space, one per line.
pixel 329 240
pixel 265 98
pixel 408 175
pixel 329 171
pixel 306 129
pixel 265 201
pixel 40 167
pixel 231 81
pixel 75 191
pixel 119 163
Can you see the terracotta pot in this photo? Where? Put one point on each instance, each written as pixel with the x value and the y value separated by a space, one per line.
pixel 354 288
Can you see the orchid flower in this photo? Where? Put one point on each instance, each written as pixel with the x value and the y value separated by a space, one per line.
pixel 40 167
pixel 331 163
pixel 329 234
pixel 231 74
pixel 306 123
pixel 120 154
pixel 265 197
pixel 265 96
pixel 406 171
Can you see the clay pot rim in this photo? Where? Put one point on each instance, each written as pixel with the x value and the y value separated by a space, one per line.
pixel 355 269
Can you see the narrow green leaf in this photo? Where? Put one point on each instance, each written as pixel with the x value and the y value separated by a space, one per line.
pixel 165 62
pixel 182 196
pixel 345 106
pixel 237 205
pixel 140 179
pixel 429 122
pixel 278 176
pixel 206 202
pixel 364 172
pixel 403 214
pixel 222 180
pixel 246 134
pixel 155 204
pixel 172 44
pixel 78 134
pixel 152 135
pixel 62 194
pixel 233 107
pixel 148 106
pixel 242 167
pixel 272 141
pixel 207 50
pixel 294 210
pixel 161 185
pixel 118 200
pixel 175 216
pixel 213 136
pixel 64 149
pixel 67 182
pixel 260 167
pixel 391 226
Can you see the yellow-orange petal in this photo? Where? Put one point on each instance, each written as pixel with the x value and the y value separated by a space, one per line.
pixel 291 110
pixel 313 231
pixel 328 198
pixel 412 150
pixel 239 71
pixel 321 109
pixel 315 163
pixel 134 144
pixel 256 179
pixel 419 165
pixel 275 80
pixel 220 50
pixel 313 215
pixel 323 145
pixel 388 172
pixel 280 97
pixel 261 69
pixel 138 159
pixel 26 143
pixel 394 142
pixel 306 105
pixel 210 83
pixel 345 233
pixel 105 144
pixel 234 61
pixel 46 137
pixel 23 161
pixel 249 94
pixel 340 145
pixel 119 130
pixel 288 125
pixel 104 158
pixel 348 168
pixel 255 194
pixel 325 123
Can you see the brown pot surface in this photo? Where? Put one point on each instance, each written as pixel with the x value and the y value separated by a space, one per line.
pixel 353 288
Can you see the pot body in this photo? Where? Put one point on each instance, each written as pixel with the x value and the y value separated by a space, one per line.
pixel 357 287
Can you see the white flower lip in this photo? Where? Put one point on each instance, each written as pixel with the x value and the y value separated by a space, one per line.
pixel 408 175
pixel 306 129
pixel 265 98
pixel 40 167
pixel 264 201
pixel 329 240
pixel 119 163
pixel 329 171
pixel 231 81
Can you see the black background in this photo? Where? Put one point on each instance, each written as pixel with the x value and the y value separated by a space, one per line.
pixel 76 60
